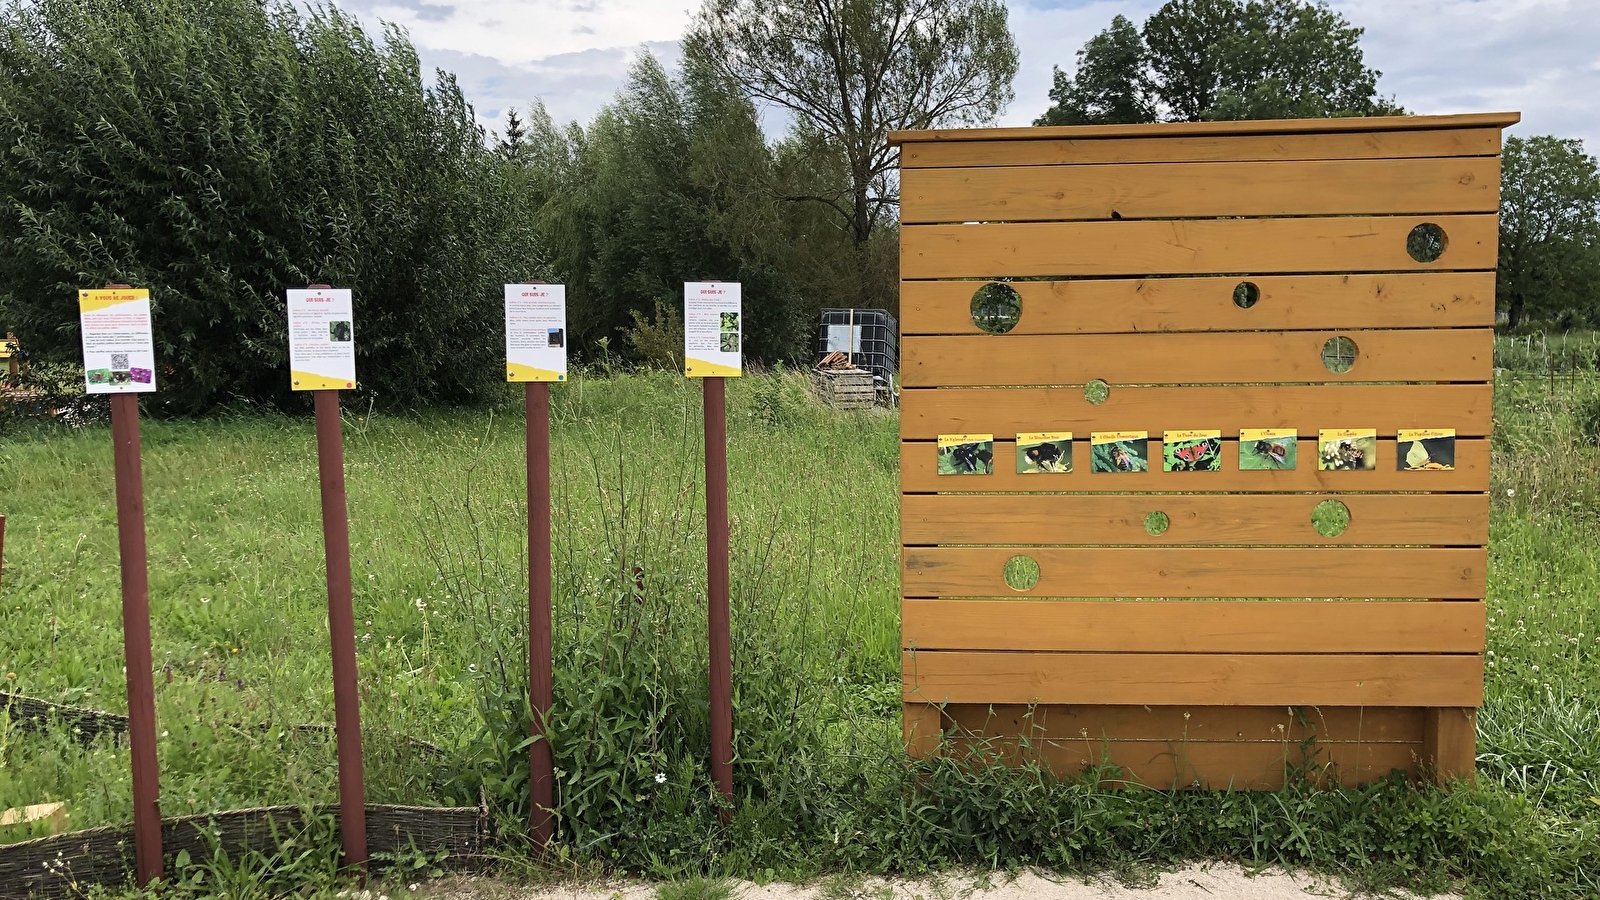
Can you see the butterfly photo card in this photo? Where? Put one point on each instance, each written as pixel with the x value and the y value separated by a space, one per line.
pixel 1191 451
pixel 1424 449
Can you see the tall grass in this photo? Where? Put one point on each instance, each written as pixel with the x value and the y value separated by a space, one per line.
pixel 437 512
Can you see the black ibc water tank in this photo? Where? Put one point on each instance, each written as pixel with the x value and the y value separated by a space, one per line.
pixel 870 336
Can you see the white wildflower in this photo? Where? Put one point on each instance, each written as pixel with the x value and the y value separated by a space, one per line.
pixel 661 778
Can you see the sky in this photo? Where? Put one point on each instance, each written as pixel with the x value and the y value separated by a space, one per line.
pixel 1539 57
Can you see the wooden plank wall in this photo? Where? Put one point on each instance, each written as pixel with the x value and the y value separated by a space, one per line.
pixel 1240 645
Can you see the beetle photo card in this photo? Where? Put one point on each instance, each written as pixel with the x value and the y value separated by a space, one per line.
pixel 966 454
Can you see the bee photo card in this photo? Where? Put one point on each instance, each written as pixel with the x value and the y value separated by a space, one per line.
pixel 1044 451
pixel 1191 451
pixel 966 454
pixel 1353 449
pixel 1267 448
pixel 1119 451
pixel 1422 449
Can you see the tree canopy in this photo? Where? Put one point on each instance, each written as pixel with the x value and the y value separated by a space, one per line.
pixel 1196 60
pixel 1549 233
pixel 220 151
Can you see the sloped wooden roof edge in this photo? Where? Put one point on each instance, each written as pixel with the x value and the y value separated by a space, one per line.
pixel 1210 129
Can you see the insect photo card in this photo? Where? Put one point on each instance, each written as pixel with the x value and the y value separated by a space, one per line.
pixel 1267 448
pixel 1191 451
pixel 1353 449
pixel 966 454
pixel 1421 449
pixel 1119 451
pixel 1044 451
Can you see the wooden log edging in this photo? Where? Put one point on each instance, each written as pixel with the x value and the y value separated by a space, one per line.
pixel 67 865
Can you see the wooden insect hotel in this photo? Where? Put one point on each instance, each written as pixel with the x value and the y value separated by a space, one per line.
pixel 1311 303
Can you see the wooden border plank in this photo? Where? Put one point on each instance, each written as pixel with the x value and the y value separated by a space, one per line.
pixel 1141 306
pixel 1430 520
pixel 1449 142
pixel 1191 247
pixel 1200 189
pixel 1270 724
pixel 1450 744
pixel 919 473
pixel 926 413
pixel 1371 124
pixel 1435 355
pixel 958 676
pixel 1200 626
pixel 1401 573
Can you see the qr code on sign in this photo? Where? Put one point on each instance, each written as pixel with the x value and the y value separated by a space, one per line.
pixel 119 362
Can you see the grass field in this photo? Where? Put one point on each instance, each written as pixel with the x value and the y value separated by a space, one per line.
pixel 436 507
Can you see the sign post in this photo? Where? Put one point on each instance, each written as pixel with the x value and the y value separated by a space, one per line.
pixel 322 359
pixel 536 354
pixel 713 337
pixel 119 359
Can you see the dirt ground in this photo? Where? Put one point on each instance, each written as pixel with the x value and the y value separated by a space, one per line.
pixel 1200 881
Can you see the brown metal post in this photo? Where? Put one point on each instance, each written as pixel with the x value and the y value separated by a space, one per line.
pixel 541 760
pixel 717 584
pixel 342 630
pixel 136 637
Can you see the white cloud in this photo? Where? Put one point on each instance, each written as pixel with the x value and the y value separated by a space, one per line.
pixel 1541 57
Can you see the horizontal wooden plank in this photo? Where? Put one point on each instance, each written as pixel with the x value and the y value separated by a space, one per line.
pixel 1167 679
pixel 1191 247
pixel 926 413
pixel 1201 626
pixel 919 473
pixel 1202 148
pixel 989 360
pixel 1244 127
pixel 1210 765
pixel 1436 520
pixel 1450 573
pixel 1286 303
pixel 1325 724
pixel 1201 189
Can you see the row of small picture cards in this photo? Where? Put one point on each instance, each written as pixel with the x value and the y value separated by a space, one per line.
pixel 1050 452
pixel 119 347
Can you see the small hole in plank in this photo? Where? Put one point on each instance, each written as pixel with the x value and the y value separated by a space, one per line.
pixel 1246 294
pixel 1427 242
pixel 1021 573
pixel 1157 523
pixel 996 307
pixel 1339 354
pixel 1096 392
pixel 1330 518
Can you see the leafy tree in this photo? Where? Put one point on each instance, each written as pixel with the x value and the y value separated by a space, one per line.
pixel 220 151
pixel 1221 59
pixel 1110 86
pixel 1549 232
pixel 851 71
pixel 670 183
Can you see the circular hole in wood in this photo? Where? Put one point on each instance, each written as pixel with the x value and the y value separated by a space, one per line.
pixel 996 307
pixel 1339 354
pixel 1157 523
pixel 1246 294
pixel 1427 242
pixel 1096 392
pixel 1021 573
pixel 1330 518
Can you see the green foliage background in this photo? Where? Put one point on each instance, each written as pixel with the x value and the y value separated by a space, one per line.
pixel 220 151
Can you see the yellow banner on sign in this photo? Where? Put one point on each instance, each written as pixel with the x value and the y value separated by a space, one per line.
pixel 90 301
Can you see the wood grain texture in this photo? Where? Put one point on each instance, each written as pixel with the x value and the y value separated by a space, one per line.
pixel 1191 247
pixel 919 473
pixel 921 728
pixel 926 413
pixel 959 676
pixel 1201 189
pixel 1140 306
pixel 1202 148
pixel 1447 573
pixel 1450 744
pixel 1368 124
pixel 990 360
pixel 1272 724
pixel 1200 626
pixel 1209 765
pixel 1432 520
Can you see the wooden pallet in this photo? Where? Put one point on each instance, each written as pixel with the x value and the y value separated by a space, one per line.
pixel 846 388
